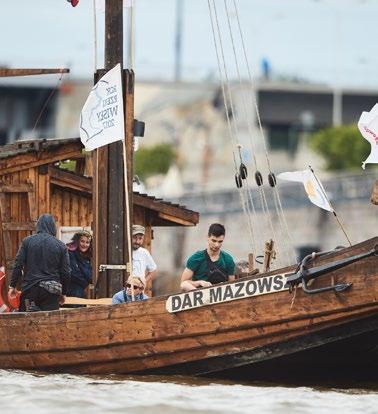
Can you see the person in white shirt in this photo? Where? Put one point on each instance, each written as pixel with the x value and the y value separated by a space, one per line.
pixel 144 265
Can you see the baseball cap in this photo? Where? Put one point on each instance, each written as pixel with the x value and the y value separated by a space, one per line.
pixel 138 229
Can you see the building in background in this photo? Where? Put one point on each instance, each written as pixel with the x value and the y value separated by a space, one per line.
pixel 193 119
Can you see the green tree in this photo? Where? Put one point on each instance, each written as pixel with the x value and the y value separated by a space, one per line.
pixel 341 147
pixel 154 160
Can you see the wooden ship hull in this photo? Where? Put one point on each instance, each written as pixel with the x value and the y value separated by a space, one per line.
pixel 225 337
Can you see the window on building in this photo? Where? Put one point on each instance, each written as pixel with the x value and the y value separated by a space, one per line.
pixel 283 137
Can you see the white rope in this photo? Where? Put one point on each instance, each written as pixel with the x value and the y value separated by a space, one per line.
pixel 245 205
pixel 264 203
pixel 279 209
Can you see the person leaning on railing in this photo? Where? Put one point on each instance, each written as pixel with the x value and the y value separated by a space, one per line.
pixel 125 295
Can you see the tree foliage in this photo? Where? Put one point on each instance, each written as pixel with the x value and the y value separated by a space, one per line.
pixel 341 147
pixel 154 160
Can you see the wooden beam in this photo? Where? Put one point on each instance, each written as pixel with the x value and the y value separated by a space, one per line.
pixel 67 179
pixel 16 226
pixel 170 209
pixel 116 243
pixel 89 302
pixel 28 72
pixel 16 188
pixel 175 219
pixel 33 159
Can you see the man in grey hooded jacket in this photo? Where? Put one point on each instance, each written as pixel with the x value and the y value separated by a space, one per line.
pixel 42 263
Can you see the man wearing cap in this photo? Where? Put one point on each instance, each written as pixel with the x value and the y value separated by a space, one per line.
pixel 144 265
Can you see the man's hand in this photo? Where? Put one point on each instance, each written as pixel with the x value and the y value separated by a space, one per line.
pixel 62 299
pixel 12 292
pixel 203 283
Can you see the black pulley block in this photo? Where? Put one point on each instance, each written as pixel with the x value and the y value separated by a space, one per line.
pixel 272 179
pixel 258 178
pixel 238 180
pixel 243 171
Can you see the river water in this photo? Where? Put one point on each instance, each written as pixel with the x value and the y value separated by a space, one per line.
pixel 24 392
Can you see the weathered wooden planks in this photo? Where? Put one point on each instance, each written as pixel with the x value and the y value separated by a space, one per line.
pixel 142 336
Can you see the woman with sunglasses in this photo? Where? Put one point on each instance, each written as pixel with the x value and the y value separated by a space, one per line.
pixel 125 295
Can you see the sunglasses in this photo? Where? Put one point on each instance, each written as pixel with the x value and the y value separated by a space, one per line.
pixel 135 287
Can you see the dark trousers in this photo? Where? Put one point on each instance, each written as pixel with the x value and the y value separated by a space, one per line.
pixel 44 300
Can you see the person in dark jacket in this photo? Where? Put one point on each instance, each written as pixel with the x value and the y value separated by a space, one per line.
pixel 43 265
pixel 80 253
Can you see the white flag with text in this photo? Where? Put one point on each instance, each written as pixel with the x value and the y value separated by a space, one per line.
pixel 313 187
pixel 102 118
pixel 368 126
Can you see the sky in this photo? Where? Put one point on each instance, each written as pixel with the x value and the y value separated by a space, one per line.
pixel 326 41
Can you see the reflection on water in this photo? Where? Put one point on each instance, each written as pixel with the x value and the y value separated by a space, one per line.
pixel 36 393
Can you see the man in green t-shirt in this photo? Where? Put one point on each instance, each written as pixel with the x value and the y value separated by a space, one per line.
pixel 211 266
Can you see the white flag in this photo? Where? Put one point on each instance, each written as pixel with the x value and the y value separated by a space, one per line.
pixel 102 118
pixel 313 187
pixel 368 126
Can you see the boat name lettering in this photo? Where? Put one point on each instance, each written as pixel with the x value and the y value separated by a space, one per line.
pixel 226 293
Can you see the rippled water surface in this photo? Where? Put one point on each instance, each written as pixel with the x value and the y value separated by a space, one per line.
pixel 36 393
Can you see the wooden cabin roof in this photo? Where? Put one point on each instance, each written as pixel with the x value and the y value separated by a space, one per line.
pixel 162 213
pixel 26 154
pixel 165 212
pixel 33 153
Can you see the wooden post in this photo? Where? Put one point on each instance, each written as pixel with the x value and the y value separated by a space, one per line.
pixel 269 254
pixel 251 262
pixel 111 245
pixel 374 194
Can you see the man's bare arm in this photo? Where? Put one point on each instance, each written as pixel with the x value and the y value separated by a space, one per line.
pixel 188 284
pixel 150 275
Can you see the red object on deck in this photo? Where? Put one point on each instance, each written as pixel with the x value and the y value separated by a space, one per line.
pixel 14 303
pixel 3 306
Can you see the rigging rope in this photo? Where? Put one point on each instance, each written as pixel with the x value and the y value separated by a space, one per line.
pixel 277 198
pixel 225 83
pixel 264 203
pixel 44 106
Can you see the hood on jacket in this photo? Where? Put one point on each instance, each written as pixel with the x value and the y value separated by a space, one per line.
pixel 46 224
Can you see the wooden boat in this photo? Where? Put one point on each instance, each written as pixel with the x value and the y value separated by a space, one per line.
pixel 234 331
pixel 311 316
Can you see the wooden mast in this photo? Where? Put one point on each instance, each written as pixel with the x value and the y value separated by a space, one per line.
pixel 110 241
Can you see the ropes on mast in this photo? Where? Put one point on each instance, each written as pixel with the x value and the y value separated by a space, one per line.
pixel 264 203
pixel 241 173
pixel 272 180
pixel 232 127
